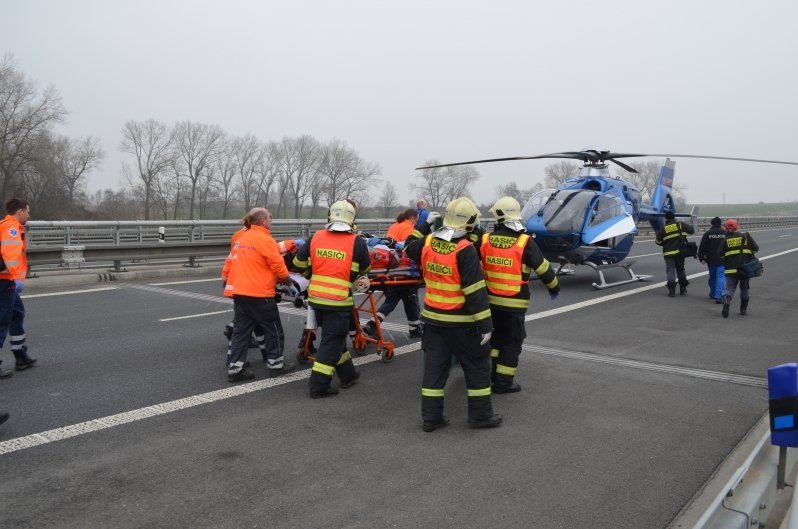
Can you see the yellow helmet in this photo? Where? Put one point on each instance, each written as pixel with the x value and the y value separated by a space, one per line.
pixel 341 216
pixel 506 209
pixel 461 214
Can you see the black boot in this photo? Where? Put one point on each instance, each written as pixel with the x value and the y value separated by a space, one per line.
pixel 671 290
pixel 726 303
pixel 490 422
pixel 743 307
pixel 23 361
pixel 682 290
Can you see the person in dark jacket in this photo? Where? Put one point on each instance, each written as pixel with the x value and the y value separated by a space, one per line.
pixel 456 314
pixel 672 237
pixel 509 257
pixel 710 254
pixel 737 249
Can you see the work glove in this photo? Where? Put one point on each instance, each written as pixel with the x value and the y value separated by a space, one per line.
pixel 19 285
pixel 554 295
pixel 299 242
pixel 485 338
pixel 293 291
pixel 432 217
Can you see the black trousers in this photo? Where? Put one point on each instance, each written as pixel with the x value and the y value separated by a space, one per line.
pixel 674 269
pixel 332 355
pixel 440 344
pixel 249 312
pixel 509 331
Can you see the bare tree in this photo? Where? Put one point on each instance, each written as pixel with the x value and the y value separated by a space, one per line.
pixel 521 195
pixel 76 158
pixel 432 186
pixel 458 180
pixel 25 118
pixel 151 143
pixel 360 181
pixel 336 163
pixel 267 170
pixel 246 151
pixel 196 144
pixel 224 171
pixel 297 159
pixel 559 172
pixel 388 198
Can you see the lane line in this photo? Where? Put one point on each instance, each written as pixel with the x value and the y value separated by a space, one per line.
pixel 196 315
pixel 29 296
pixel 65 432
pixel 187 282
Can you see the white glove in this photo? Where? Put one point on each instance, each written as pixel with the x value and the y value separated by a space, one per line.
pixel 432 217
pixel 485 338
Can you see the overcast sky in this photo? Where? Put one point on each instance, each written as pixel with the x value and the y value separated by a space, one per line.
pixel 405 81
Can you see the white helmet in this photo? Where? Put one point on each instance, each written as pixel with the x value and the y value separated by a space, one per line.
pixel 507 211
pixel 341 216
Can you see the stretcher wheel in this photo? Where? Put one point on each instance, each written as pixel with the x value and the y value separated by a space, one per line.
pixel 300 357
pixel 387 355
pixel 359 344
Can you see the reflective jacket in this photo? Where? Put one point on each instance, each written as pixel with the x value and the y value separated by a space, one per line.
pixel 335 260
pixel 227 275
pixel 455 285
pixel 12 249
pixel 672 236
pixel 737 249
pixel 711 247
pixel 257 264
pixel 399 231
pixel 508 259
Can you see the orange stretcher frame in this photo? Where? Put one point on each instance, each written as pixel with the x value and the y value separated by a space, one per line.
pixel 379 283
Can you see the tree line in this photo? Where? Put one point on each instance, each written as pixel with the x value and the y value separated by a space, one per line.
pixel 190 170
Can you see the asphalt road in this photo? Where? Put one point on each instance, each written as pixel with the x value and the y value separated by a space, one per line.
pixel 631 401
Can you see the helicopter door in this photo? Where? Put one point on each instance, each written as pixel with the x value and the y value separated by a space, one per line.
pixel 608 217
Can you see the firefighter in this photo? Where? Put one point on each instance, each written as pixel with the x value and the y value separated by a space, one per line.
pixel 710 254
pixel 737 249
pixel 456 314
pixel 335 256
pixel 672 237
pixel 257 268
pixel 509 256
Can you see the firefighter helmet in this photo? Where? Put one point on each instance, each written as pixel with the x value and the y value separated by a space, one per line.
pixel 341 216
pixel 461 214
pixel 506 208
pixel 731 225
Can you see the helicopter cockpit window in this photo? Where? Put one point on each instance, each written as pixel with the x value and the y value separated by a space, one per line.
pixel 565 210
pixel 536 202
pixel 608 206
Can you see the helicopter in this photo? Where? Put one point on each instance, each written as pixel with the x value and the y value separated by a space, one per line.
pixel 591 219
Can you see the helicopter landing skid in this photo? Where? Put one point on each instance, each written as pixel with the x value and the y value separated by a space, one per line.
pixel 626 265
pixel 564 269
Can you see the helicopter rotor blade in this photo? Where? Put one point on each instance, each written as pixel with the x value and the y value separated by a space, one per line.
pixel 721 158
pixel 623 165
pixel 573 155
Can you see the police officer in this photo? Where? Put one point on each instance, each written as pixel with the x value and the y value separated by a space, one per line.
pixel 508 258
pixel 672 237
pixel 12 278
pixel 336 256
pixel 737 249
pixel 456 314
pixel 709 253
pixel 257 268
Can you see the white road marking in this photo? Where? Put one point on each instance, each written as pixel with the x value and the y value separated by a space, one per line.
pixel 57 434
pixel 29 296
pixel 187 282
pixel 196 315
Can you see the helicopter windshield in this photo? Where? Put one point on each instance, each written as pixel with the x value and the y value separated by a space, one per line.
pixel 565 210
pixel 536 202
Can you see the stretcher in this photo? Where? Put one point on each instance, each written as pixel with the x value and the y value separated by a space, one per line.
pixel 389 269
